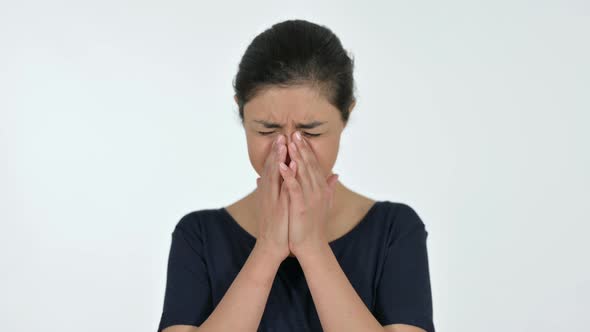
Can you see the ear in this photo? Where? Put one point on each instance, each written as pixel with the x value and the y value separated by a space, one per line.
pixel 352 106
pixel 236 98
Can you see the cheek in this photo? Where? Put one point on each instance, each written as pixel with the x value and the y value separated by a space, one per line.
pixel 325 152
pixel 258 151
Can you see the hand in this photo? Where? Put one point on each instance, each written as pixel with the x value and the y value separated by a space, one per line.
pixel 272 204
pixel 310 197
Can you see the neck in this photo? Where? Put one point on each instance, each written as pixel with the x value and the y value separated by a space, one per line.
pixel 341 197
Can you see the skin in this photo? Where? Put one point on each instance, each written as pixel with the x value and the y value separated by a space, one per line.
pixel 310 197
pixel 311 187
pixel 288 107
pixel 315 200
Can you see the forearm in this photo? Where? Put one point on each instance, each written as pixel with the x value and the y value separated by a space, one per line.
pixel 243 304
pixel 338 305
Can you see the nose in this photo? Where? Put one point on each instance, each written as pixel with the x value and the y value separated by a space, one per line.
pixel 290 135
pixel 288 141
pixel 286 138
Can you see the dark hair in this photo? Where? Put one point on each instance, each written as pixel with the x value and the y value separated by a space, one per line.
pixel 297 52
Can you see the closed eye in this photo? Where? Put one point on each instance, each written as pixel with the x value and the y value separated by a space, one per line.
pixel 270 132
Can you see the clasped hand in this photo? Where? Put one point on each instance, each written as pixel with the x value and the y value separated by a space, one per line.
pixel 310 196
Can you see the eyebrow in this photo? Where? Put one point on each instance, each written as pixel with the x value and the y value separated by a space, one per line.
pixel 309 125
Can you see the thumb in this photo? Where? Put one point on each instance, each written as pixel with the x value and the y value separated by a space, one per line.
pixel 284 196
pixel 332 179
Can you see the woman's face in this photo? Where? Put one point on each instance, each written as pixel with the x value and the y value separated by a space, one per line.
pixel 280 110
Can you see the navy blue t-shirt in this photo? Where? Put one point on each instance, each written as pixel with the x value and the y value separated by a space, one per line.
pixel 384 257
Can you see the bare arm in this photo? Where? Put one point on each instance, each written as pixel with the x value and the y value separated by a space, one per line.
pixel 338 304
pixel 243 304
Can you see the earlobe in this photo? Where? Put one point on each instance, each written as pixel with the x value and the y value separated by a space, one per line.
pixel 352 106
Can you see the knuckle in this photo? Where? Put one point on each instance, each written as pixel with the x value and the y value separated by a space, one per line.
pixel 300 212
pixel 291 183
pixel 318 195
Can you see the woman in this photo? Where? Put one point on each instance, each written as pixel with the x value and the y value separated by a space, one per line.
pixel 301 252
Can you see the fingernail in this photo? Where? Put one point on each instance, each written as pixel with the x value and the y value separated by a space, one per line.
pixel 298 136
pixel 282 166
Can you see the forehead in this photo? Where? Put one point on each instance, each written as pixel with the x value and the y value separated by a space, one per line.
pixel 286 104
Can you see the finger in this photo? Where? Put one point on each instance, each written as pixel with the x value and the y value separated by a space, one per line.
pixel 268 162
pixel 292 185
pixel 287 171
pixel 302 171
pixel 266 177
pixel 284 197
pixel 293 166
pixel 311 163
pixel 279 156
pixel 331 187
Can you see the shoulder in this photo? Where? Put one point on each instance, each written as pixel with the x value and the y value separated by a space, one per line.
pixel 191 223
pixel 400 215
pixel 402 219
pixel 401 212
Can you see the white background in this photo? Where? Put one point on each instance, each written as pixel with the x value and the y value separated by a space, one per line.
pixel 117 118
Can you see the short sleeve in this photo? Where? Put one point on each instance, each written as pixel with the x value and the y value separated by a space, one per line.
pixel 187 298
pixel 403 291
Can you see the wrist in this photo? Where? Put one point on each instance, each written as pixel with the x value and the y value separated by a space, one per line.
pixel 267 253
pixel 310 250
